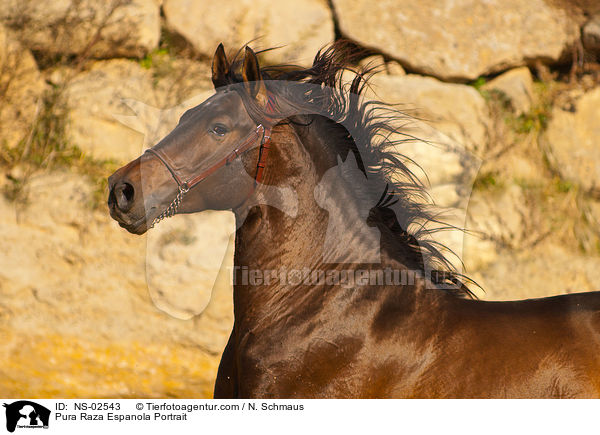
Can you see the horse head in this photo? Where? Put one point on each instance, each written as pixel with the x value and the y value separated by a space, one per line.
pixel 210 160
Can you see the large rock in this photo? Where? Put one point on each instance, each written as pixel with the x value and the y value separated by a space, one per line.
pixel 85 27
pixel 571 141
pixel 516 86
pixel 459 39
pixel 76 300
pixel 493 220
pixel 95 96
pixel 178 85
pixel 178 80
pixel 21 88
pixel 117 107
pixel 544 270
pixel 458 111
pixel 499 215
pixel 300 31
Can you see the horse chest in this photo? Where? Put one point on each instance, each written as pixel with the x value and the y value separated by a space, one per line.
pixel 305 362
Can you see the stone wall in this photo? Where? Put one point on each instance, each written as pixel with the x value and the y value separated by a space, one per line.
pixel 505 95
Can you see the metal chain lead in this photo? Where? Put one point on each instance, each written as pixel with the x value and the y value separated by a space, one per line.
pixel 172 208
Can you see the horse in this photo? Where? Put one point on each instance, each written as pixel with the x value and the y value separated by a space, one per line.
pixel 340 290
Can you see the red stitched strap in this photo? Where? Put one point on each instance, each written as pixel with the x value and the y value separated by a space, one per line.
pixel 271 109
pixel 262 157
pixel 263 153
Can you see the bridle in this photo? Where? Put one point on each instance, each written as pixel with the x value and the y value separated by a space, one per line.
pixel 262 133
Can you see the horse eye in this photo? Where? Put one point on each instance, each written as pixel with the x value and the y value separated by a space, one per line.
pixel 219 129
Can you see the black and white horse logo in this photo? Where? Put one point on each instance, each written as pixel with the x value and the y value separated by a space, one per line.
pixel 26 414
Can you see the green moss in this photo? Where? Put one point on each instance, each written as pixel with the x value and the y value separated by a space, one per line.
pixel 478 84
pixel 178 236
pixel 154 58
pixel 563 186
pixel 159 62
pixel 487 181
pixel 528 184
pixel 534 121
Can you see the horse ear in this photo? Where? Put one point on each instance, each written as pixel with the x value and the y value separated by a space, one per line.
pixel 220 68
pixel 251 75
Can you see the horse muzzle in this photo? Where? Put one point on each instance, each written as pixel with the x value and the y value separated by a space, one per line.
pixel 122 199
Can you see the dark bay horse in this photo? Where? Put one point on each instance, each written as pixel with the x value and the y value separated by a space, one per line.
pixel 338 293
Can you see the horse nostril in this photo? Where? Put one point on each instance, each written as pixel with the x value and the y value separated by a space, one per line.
pixel 122 194
pixel 128 192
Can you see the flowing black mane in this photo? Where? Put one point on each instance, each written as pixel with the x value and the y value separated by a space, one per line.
pixel 371 130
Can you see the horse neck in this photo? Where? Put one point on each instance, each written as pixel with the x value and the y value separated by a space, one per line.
pixel 327 232
pixel 283 225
